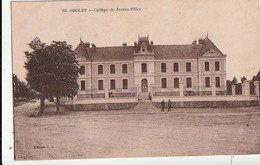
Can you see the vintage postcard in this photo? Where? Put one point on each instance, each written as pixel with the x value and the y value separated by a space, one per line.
pixel 135 79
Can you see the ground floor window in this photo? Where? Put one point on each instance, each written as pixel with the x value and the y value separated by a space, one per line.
pixel 82 85
pixel 207 82
pixel 125 84
pixel 188 82
pixel 164 83
pixel 112 84
pixel 100 85
pixel 176 83
pixel 217 79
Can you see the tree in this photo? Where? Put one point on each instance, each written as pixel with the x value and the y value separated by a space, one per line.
pixel 257 77
pixel 234 81
pixel 229 87
pixel 37 65
pixel 52 70
pixel 64 70
pixel 243 79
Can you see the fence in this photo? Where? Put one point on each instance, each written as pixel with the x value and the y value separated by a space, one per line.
pixel 110 93
pixel 193 91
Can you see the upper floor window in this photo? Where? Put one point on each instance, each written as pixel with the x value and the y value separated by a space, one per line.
pixel 124 68
pixel 125 84
pixel 164 83
pixel 144 67
pixel 216 66
pixel 112 69
pixel 175 67
pixel 206 66
pixel 100 85
pixel 112 84
pixel 217 79
pixel 82 69
pixel 100 69
pixel 188 82
pixel 163 67
pixel 207 82
pixel 82 85
pixel 188 67
pixel 176 82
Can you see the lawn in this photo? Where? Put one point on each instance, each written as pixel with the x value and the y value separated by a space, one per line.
pixel 141 132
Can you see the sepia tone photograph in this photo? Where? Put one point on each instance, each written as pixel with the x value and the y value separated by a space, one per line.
pixel 132 79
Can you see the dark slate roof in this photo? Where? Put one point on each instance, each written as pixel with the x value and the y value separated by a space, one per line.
pixel 164 52
pixel 112 53
pixel 80 51
pixel 176 51
pixel 207 46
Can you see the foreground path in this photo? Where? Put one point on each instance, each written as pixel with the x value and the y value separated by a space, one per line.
pixel 140 132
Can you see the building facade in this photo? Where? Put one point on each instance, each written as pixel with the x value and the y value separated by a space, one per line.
pixel 158 70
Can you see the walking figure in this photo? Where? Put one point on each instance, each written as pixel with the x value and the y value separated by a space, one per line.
pixel 169 105
pixel 163 104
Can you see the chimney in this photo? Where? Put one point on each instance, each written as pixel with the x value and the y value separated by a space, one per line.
pixel 87 44
pixel 124 44
pixel 201 41
pixel 93 47
pixel 152 44
pixel 194 42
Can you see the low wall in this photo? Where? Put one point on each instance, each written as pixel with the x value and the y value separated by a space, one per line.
pixel 208 102
pixel 100 104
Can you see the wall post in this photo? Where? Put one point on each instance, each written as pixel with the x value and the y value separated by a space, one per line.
pixel 256 87
pixel 233 90
pixel 246 87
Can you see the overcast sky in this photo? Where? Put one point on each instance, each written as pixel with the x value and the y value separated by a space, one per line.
pixel 233 25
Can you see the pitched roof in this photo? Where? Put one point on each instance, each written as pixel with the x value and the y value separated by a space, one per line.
pixel 81 51
pixel 118 53
pixel 176 51
pixel 162 52
pixel 207 46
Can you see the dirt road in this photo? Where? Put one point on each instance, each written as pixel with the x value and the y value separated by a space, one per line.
pixel 141 132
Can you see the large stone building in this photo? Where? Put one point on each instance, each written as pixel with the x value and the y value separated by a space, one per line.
pixel 158 70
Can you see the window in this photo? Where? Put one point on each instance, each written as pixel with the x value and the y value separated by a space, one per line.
pixel 207 82
pixel 164 83
pixel 175 67
pixel 144 67
pixel 125 84
pixel 217 79
pixel 82 85
pixel 216 66
pixel 82 69
pixel 163 67
pixel 112 69
pixel 188 67
pixel 124 68
pixel 206 66
pixel 100 69
pixel 112 84
pixel 100 84
pixel 188 82
pixel 176 82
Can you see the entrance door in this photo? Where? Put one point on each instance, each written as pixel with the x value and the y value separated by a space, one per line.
pixel 144 85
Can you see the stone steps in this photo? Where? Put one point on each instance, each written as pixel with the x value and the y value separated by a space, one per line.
pixel 145 105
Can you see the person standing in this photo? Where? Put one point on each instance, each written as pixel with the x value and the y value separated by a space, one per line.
pixel 169 105
pixel 163 104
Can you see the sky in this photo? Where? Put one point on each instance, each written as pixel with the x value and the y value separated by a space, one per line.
pixel 233 25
